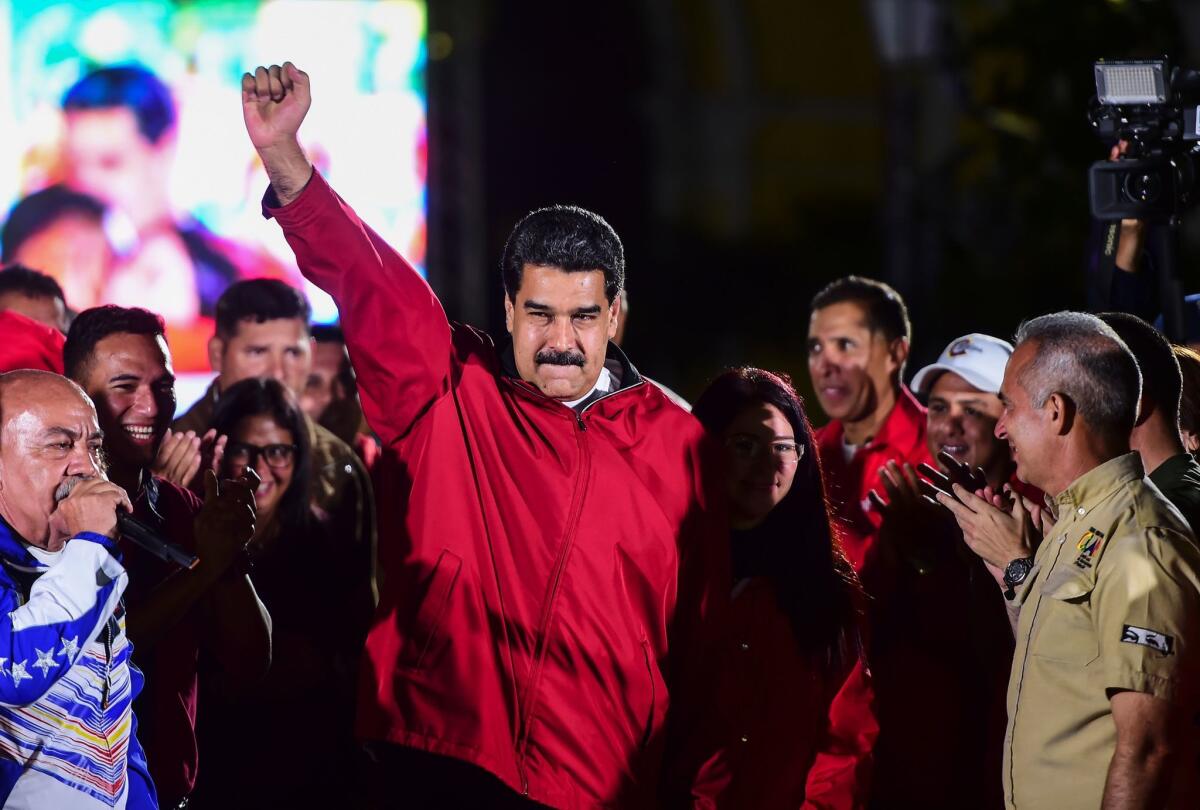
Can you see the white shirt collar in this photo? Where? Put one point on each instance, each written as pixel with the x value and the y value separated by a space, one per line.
pixel 603 384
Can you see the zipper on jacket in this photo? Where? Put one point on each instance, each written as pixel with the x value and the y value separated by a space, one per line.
pixel 548 613
pixel 526 717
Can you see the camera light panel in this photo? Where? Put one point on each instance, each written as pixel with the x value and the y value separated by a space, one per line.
pixel 1131 82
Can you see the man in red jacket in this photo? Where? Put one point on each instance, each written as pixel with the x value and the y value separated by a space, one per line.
pixel 549 554
pixel 858 337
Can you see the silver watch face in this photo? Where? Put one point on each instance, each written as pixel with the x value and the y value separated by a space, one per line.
pixel 1017 570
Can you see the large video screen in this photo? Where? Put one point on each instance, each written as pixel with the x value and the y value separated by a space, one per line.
pixel 126 172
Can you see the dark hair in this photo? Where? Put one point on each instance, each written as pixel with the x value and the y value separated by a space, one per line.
pixel 30 283
pixel 1162 380
pixel 130 86
pixel 814 583
pixel 38 211
pixel 1189 408
pixel 327 333
pixel 93 325
pixel 259 300
pixel 885 309
pixel 264 396
pixel 569 238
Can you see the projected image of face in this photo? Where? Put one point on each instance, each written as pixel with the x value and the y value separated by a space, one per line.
pixel 134 105
pixel 109 158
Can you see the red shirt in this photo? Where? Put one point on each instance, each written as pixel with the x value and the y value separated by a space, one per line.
pixel 166 708
pixel 785 733
pixel 901 438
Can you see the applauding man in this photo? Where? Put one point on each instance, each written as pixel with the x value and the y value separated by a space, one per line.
pixel 1110 604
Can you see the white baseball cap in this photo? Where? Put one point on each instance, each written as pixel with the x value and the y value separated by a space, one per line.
pixel 978 359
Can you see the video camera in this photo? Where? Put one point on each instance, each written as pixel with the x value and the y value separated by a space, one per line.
pixel 1154 109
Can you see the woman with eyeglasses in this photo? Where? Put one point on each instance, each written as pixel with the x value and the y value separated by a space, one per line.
pixel 791 722
pixel 289 742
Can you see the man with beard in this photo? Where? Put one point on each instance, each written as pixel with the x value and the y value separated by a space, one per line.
pixel 67 731
pixel 120 358
pixel 549 554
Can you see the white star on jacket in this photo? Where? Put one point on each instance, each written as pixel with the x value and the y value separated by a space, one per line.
pixel 19 674
pixel 45 661
pixel 70 647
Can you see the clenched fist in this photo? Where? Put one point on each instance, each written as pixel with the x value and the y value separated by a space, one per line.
pixel 275 100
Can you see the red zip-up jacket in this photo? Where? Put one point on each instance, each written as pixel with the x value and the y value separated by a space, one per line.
pixel 784 734
pixel 545 572
pixel 901 438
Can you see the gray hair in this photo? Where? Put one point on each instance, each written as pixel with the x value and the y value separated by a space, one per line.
pixel 1080 357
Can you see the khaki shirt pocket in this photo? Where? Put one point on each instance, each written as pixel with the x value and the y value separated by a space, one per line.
pixel 1065 631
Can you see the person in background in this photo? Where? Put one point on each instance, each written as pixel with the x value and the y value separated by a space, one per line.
pixel 25 343
pixel 61 233
pixel 68 732
pixel 1104 677
pixel 34 295
pixel 330 395
pixel 858 340
pixel 319 593
pixel 1156 436
pixel 791 722
pixel 939 597
pixel 262 330
pixel 120 358
pixel 1189 403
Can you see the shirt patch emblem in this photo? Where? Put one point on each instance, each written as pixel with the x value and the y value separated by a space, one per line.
pixel 1088 545
pixel 1148 638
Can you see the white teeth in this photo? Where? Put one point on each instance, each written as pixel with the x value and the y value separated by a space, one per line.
pixel 139 432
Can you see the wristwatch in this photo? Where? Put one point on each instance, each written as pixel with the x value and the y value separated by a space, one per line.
pixel 1015 573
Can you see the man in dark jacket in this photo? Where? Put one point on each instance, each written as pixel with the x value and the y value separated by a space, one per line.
pixel 549 556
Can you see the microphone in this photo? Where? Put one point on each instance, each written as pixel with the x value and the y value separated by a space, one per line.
pixel 136 531
pixel 149 540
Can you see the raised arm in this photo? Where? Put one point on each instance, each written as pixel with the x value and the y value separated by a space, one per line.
pixel 396 330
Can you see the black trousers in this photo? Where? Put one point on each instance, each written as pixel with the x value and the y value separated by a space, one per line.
pixel 408 779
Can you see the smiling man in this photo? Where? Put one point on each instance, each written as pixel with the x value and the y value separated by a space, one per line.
pixel 120 358
pixel 858 339
pixel 545 535
pixel 1102 694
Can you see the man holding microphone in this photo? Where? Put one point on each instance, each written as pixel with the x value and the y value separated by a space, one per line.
pixel 67 731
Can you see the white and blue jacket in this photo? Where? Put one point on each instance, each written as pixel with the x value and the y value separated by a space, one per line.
pixel 67 731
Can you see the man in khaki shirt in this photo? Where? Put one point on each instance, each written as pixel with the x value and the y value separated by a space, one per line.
pixel 1104 681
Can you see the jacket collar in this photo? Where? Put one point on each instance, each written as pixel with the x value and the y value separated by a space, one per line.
pixel 14 551
pixel 902 430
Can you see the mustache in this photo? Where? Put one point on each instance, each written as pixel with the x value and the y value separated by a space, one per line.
pixel 553 357
pixel 68 485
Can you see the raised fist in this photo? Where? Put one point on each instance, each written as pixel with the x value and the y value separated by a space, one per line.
pixel 274 102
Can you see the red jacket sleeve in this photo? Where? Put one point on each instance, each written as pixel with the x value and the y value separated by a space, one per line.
pixel 396 331
pixel 840 774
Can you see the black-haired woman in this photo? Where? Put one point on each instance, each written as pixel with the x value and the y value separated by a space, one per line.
pixel 792 723
pixel 289 742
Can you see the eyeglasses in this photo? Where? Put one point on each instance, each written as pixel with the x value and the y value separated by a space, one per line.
pixel 748 448
pixel 246 455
